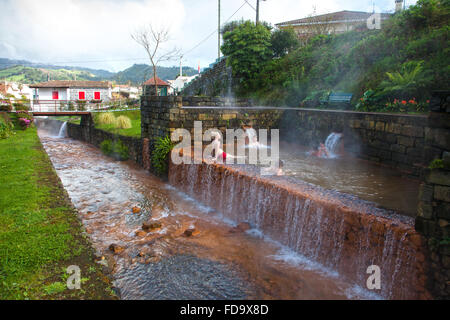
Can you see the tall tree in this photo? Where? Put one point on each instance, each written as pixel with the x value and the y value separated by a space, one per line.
pixel 247 48
pixel 152 40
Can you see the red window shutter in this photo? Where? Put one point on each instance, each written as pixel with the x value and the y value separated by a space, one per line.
pixel 96 95
pixel 55 95
pixel 81 95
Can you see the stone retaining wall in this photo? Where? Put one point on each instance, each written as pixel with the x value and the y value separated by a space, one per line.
pixel 216 81
pixel 405 142
pixel 86 131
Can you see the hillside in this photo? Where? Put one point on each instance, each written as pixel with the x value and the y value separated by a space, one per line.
pixel 29 72
pixel 33 75
pixel 139 73
pixel 8 63
pixel 407 59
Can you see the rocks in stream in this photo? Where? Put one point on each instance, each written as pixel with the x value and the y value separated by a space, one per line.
pixel 136 209
pixel 116 248
pixel 141 233
pixel 191 232
pixel 150 226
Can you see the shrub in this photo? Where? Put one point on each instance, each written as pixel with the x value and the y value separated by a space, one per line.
pixel 20 107
pixel 5 106
pixel 115 149
pixel 160 155
pixel 106 118
pixel 123 122
pixel 106 147
pixel 437 164
pixel 24 123
pixel 6 129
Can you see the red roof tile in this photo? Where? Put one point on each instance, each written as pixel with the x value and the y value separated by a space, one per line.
pixel 159 82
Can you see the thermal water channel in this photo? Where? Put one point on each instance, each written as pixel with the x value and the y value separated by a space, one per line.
pixel 221 262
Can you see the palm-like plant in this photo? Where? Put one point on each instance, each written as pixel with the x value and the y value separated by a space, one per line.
pixel 406 81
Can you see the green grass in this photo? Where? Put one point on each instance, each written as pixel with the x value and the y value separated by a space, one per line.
pixel 134 131
pixel 40 234
pixel 72 119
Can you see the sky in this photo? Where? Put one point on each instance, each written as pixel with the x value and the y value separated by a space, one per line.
pixel 96 33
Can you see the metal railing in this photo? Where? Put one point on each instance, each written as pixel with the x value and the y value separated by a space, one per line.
pixel 55 106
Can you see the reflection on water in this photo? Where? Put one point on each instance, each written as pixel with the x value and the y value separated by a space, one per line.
pixel 349 175
pixel 221 262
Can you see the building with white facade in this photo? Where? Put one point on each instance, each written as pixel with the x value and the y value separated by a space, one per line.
pixel 52 93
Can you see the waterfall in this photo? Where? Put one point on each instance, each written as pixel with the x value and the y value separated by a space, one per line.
pixel 342 236
pixel 63 131
pixel 332 143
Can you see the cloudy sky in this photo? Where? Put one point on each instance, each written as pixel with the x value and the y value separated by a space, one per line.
pixel 96 33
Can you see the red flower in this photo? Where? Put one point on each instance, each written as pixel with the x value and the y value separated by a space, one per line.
pixel 428 101
pixel 404 102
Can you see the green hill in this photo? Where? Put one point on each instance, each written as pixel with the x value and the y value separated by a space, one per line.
pixel 139 73
pixel 33 75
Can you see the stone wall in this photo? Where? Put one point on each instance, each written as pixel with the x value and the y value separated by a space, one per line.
pixel 86 131
pixel 216 81
pixel 405 142
pixel 162 115
pixel 433 219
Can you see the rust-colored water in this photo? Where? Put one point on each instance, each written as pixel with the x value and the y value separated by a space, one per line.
pixel 218 263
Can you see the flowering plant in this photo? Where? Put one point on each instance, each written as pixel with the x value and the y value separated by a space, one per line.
pixel 24 123
pixel 405 105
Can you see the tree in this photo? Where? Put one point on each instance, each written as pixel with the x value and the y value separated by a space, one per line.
pixel 152 40
pixel 247 48
pixel 284 41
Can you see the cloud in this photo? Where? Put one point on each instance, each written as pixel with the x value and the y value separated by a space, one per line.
pixel 96 33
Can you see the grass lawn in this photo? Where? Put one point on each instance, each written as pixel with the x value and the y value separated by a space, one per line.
pixel 40 234
pixel 134 131
pixel 72 119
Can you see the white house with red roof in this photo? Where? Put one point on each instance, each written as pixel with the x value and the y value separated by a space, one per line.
pixel 55 92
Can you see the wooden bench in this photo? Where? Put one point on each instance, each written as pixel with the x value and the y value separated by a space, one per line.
pixel 338 98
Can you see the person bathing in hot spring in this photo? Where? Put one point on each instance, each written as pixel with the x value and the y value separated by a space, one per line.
pixel 218 151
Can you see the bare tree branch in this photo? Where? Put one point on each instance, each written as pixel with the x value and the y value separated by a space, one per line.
pixel 152 40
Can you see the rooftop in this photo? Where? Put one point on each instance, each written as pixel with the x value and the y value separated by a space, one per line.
pixel 71 84
pixel 333 17
pixel 159 82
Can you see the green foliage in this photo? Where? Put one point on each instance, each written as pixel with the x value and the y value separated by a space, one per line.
pixel 413 47
pixel 19 106
pixel 5 107
pixel 160 155
pixel 407 82
pixel 115 149
pixel 6 128
pixel 55 287
pixel 284 41
pixel 436 164
pixel 248 49
pixel 123 122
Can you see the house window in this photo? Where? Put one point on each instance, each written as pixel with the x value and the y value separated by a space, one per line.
pixel 55 95
pixel 81 95
pixel 97 95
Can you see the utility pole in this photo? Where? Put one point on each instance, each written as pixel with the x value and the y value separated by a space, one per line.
pixel 257 11
pixel 218 35
pixel 181 66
